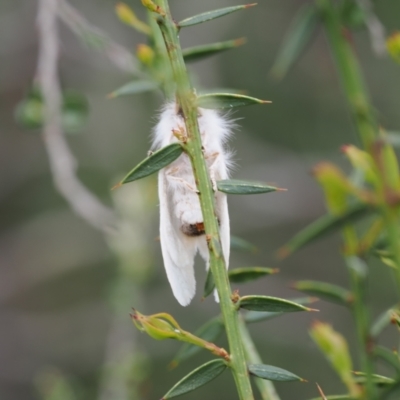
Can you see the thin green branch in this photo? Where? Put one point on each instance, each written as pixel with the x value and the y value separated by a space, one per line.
pixel 266 388
pixel 358 272
pixel 187 102
pixel 350 74
pixel 363 114
pixel 393 234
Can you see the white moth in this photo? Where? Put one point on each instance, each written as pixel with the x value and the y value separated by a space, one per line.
pixel 181 219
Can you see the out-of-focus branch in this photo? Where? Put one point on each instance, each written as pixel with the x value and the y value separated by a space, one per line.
pixel 375 28
pixel 62 163
pixel 121 355
pixel 96 38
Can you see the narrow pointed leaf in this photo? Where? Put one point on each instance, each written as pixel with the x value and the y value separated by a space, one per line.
pixel 209 332
pixel 240 244
pixel 381 323
pixel 234 186
pixel 154 163
pixel 209 15
pixel 325 225
pixel 257 316
pixel 209 284
pixel 271 373
pixel 334 346
pixel 197 378
pixel 134 87
pixel 200 52
pixel 326 291
pixel 378 380
pixel 297 38
pixel 336 397
pixel 226 101
pixel 240 275
pixel 213 90
pixel 268 303
pixel 389 356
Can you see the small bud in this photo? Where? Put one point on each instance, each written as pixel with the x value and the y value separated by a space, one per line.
pixel 145 54
pixel 363 161
pixel 235 297
pixel 156 326
pixel 163 326
pixel 335 348
pixel 127 16
pixel 180 134
pixel 393 46
pixel 150 5
pixel 335 185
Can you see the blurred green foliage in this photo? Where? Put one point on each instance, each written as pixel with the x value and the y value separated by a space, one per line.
pixel 56 272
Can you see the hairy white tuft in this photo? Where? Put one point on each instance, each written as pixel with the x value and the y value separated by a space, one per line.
pixel 181 220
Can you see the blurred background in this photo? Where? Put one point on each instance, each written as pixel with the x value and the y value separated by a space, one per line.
pixel 66 288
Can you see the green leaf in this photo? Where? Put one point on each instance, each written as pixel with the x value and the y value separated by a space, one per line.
pixel 272 373
pixel 240 275
pixel 209 332
pixel 358 266
pixel 325 290
pixel 389 356
pixel 234 186
pixel 226 101
pixel 209 284
pixel 336 397
pixel 197 378
pixel 257 316
pixel 297 38
pixel 74 113
pixel 134 87
pixel 382 322
pixel 334 346
pixel 379 380
pixel 209 15
pixel 240 244
pixel 153 163
pixel 324 225
pixel 268 303
pixel 200 52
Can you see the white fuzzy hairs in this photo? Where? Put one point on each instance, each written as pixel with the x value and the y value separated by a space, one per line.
pixel 181 219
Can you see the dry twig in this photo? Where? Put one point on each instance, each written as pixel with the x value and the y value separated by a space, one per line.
pixel 62 163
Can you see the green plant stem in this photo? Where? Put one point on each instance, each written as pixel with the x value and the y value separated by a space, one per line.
pixel 350 74
pixel 161 70
pixel 266 388
pixel 361 317
pixel 359 310
pixel 367 127
pixel 187 102
pixel 393 232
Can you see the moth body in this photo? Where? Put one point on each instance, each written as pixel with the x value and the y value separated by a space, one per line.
pixel 181 219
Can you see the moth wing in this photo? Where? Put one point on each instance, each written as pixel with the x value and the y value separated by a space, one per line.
pixel 178 250
pixel 224 225
pixel 221 172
